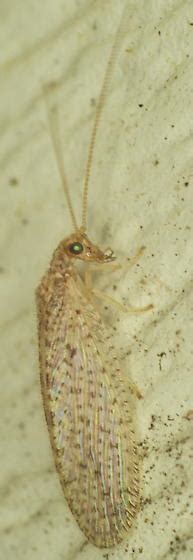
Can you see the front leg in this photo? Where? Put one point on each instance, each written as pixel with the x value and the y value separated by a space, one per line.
pixel 111 268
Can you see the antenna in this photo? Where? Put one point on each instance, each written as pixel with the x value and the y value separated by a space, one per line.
pixel 99 108
pixel 53 121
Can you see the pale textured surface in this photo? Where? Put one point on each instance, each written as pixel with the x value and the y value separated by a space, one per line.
pixel 141 194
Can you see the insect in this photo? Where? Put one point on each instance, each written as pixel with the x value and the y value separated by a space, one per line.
pixel 85 393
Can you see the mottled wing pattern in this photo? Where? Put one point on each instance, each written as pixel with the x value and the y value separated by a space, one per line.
pixel 87 410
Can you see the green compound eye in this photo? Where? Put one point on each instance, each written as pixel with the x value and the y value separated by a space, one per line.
pixel 76 248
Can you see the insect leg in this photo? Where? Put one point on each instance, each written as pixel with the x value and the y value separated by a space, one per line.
pixel 122 307
pixel 112 267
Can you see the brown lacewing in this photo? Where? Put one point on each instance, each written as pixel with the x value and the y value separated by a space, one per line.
pixel 85 393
